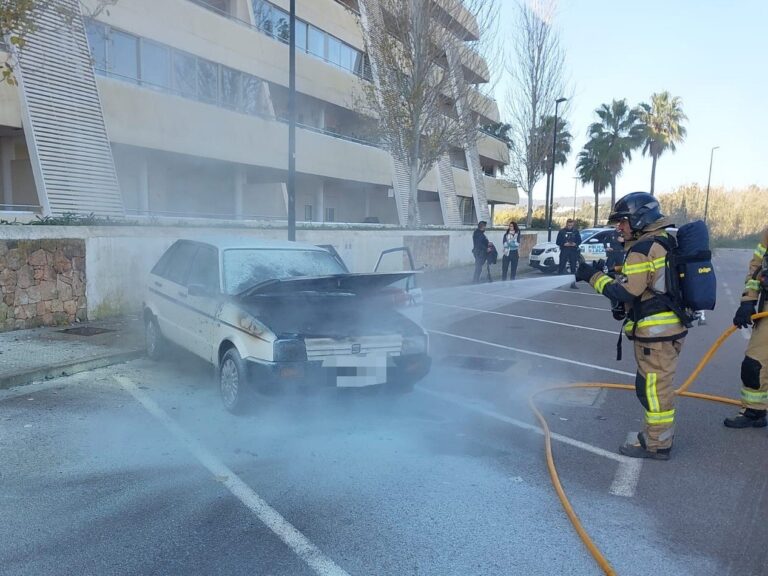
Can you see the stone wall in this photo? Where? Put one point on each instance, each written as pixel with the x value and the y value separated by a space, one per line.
pixel 42 283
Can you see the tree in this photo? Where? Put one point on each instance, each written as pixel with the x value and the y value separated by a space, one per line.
pixel 537 79
pixel 17 20
pixel 562 147
pixel 424 109
pixel 663 123
pixel 591 169
pixel 615 136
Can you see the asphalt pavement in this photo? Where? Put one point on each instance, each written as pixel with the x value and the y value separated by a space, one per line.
pixel 137 469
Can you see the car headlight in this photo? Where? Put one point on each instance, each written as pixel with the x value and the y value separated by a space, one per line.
pixel 289 350
pixel 252 326
pixel 551 250
pixel 416 344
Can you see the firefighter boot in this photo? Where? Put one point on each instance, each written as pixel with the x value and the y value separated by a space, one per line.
pixel 747 418
pixel 640 450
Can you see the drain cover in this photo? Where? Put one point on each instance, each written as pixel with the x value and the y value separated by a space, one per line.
pixel 479 363
pixel 85 331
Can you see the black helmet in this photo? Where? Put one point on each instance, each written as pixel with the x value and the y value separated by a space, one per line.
pixel 640 208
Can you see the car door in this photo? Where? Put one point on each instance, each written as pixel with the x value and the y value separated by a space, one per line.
pixel 204 298
pixel 407 296
pixel 178 316
pixel 594 248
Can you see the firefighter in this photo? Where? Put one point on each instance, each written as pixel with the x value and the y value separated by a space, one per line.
pixel 655 330
pixel 754 368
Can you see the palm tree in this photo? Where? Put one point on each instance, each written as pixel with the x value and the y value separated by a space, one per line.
pixel 663 123
pixel 615 136
pixel 562 148
pixel 590 168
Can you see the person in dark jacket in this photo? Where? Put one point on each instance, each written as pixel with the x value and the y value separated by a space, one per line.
pixel 568 239
pixel 614 250
pixel 479 249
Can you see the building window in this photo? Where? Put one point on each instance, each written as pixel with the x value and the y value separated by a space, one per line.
pixel 308 213
pixel 155 64
pixel 251 94
pixel 301 35
pixel 97 40
pixel 316 42
pixel 124 55
pixel 330 215
pixel 207 81
pixel 231 88
pixel 185 74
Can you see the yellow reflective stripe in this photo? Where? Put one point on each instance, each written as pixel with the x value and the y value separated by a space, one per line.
pixel 637 268
pixel 650 392
pixel 659 263
pixel 760 251
pixel 601 283
pixel 751 396
pixel 661 319
pixel 753 285
pixel 667 417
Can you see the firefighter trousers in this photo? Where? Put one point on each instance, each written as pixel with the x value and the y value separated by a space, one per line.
pixel 654 385
pixel 754 369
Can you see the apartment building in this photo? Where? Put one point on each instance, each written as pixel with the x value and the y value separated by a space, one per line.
pixel 177 108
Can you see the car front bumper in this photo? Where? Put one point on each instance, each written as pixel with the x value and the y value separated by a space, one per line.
pixel 542 264
pixel 308 376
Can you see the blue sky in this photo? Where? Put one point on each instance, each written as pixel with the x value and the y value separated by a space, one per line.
pixel 711 53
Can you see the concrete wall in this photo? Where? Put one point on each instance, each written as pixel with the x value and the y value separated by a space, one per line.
pixel 118 259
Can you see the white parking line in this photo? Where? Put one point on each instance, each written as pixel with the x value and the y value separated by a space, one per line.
pixel 535 300
pixel 627 475
pixel 532 353
pixel 296 541
pixel 612 333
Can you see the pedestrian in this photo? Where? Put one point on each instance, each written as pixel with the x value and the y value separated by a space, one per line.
pixel 614 250
pixel 656 332
pixel 479 249
pixel 511 251
pixel 568 239
pixel 754 368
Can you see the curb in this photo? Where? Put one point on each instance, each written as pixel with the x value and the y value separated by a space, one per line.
pixel 66 369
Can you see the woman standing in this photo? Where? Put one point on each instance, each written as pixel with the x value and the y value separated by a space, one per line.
pixel 511 245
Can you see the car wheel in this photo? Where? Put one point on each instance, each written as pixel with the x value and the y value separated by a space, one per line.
pixel 154 339
pixel 232 382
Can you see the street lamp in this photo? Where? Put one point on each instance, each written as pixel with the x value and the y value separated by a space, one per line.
pixel 709 179
pixel 551 194
pixel 575 187
pixel 291 187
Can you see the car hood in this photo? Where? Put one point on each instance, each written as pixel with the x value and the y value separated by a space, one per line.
pixel 545 246
pixel 365 283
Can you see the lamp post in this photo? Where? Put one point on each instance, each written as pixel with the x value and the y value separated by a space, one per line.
pixel 551 193
pixel 575 188
pixel 291 187
pixel 709 179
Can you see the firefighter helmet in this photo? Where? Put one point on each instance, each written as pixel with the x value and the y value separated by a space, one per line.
pixel 639 208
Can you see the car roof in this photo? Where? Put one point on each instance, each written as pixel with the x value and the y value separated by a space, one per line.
pixel 223 242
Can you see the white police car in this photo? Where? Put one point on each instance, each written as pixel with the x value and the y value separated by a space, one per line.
pixel 545 256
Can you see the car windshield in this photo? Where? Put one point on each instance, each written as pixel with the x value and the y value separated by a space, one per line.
pixel 588 233
pixel 244 268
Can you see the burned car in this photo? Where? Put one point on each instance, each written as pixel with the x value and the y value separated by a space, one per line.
pixel 274 316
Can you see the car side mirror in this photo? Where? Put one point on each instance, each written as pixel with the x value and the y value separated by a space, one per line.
pixel 199 290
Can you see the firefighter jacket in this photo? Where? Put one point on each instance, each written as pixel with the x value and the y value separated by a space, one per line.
pixel 757 265
pixel 642 280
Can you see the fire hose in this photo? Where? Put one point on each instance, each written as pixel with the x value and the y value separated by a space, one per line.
pixel 682 391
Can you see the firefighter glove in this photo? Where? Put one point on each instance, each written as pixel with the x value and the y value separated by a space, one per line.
pixel 585 272
pixel 744 314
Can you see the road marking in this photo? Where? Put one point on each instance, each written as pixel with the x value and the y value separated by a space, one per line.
pixel 627 475
pixel 272 519
pixel 612 333
pixel 532 353
pixel 539 301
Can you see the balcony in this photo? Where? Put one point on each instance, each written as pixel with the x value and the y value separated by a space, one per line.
pixel 500 191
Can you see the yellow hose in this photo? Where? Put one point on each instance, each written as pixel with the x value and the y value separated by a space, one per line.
pixel 682 391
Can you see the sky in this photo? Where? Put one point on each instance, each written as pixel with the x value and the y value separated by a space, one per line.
pixel 713 54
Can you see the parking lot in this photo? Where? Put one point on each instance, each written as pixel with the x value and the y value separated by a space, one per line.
pixel 137 469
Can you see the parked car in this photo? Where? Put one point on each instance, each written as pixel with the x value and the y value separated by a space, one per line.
pixel 545 256
pixel 272 316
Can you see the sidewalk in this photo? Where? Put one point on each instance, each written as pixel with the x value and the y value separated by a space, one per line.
pixel 28 356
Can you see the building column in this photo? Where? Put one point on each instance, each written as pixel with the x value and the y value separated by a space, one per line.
pixel 7 154
pixel 492 206
pixel 320 202
pixel 143 185
pixel 240 183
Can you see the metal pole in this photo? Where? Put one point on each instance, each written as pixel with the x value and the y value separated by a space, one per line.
pixel 292 126
pixel 552 179
pixel 575 187
pixel 709 179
